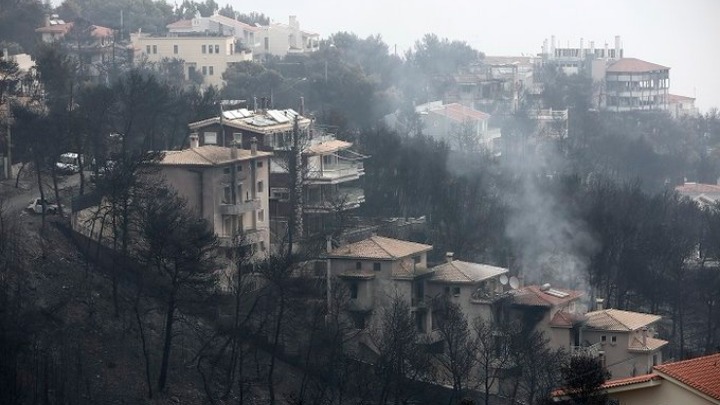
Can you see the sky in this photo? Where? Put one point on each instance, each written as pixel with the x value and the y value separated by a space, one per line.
pixel 681 34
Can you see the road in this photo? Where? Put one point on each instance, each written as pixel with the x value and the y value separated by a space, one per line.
pixel 15 200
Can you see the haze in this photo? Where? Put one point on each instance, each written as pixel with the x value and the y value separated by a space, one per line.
pixel 683 35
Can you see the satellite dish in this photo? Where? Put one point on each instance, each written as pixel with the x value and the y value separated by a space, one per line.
pixel 503 279
pixel 514 282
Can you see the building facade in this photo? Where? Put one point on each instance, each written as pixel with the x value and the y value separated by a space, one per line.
pixel 204 56
pixel 631 84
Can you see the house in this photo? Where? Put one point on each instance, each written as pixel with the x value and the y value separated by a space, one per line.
pixel 689 382
pixel 704 194
pixel 205 56
pixel 276 39
pixel 93 46
pixel 681 106
pixel 462 128
pixel 329 170
pixel 624 339
pixel 630 84
pixel 546 309
pixel 227 186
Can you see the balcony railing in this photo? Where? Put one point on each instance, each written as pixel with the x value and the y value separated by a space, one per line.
pixel 240 208
pixel 589 351
pixel 247 237
pixel 344 199
pixel 330 173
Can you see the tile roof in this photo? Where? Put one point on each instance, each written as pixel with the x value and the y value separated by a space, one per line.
pixel 363 274
pixel 97 31
pixel 633 65
pixel 261 122
pixel 621 382
pixel 651 344
pixel 675 98
pixel 617 320
pixel 57 28
pixel 231 21
pixel 564 319
pixel 701 373
pixel 533 296
pixel 208 155
pixel 457 271
pixel 379 247
pixel 460 113
pixel 697 188
pixel 327 147
pixel 180 24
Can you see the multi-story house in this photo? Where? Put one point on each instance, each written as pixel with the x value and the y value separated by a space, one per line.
pixel 625 340
pixel 206 56
pixel 328 170
pixel 220 25
pixel 93 46
pixel 276 39
pixel 577 60
pixel 227 186
pixel 631 84
pixel 681 106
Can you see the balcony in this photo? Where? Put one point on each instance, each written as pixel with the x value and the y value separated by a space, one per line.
pixel 586 351
pixel 344 199
pixel 338 173
pixel 355 305
pixel 240 208
pixel 247 237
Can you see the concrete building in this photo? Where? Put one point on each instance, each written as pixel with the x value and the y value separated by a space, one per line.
pixel 576 60
pixel 329 169
pixel 204 55
pixel 276 39
pixel 681 106
pixel 631 84
pixel 228 187
pixel 704 194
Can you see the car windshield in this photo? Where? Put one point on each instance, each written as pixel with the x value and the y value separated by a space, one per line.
pixel 68 160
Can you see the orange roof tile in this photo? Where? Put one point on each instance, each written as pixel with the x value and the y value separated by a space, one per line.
pixel 675 98
pixel 97 31
pixel 651 344
pixel 617 320
pixel 533 296
pixel 57 28
pixel 702 373
pixel 457 271
pixel 630 380
pixel 697 188
pixel 563 319
pixel 180 24
pixel 378 247
pixel 460 113
pixel 633 65
pixel 208 155
pixel 327 147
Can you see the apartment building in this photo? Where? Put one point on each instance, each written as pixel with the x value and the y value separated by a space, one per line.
pixel 276 39
pixel 227 186
pixel 205 56
pixel 329 170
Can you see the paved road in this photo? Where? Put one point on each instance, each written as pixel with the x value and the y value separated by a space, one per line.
pixel 15 200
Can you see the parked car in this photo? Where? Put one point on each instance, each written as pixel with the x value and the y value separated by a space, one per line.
pixel 102 171
pixel 36 206
pixel 69 163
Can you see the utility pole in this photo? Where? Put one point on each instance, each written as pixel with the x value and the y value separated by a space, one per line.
pixel 9 171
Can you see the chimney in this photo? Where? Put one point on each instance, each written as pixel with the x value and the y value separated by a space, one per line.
pixel 552 46
pixel 599 304
pixel 328 244
pixel 592 49
pixel 254 103
pixel 253 146
pixel 302 106
pixel 607 54
pixel 617 46
pixel 582 48
pixel 545 47
pixel 449 256
pixel 194 140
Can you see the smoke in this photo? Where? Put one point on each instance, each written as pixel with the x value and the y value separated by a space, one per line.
pixel 553 243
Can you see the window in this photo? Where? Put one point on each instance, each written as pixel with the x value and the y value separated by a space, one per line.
pixel 229 225
pixel 210 49
pixel 175 49
pixel 260 187
pixel 358 265
pixel 204 70
pixel 239 191
pixel 376 266
pixel 613 339
pixel 655 359
pixel 217 48
pixel 238 168
pixel 226 170
pixel 155 49
pixel 447 290
pixel 227 195
pixel 353 290
pixel 603 338
pixel 147 48
pixel 420 321
pixel 211 70
pixel 262 246
pixel 456 291
pixel 210 137
pixel 261 215
pixel 237 137
pixel 204 49
pixel 259 164
pixel 416 259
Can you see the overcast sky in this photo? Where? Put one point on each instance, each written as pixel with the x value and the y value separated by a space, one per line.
pixel 681 34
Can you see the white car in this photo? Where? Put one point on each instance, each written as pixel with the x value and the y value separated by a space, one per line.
pixel 69 163
pixel 36 207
